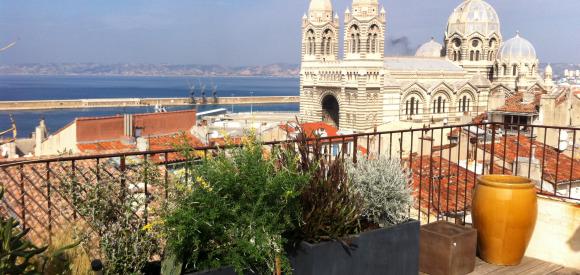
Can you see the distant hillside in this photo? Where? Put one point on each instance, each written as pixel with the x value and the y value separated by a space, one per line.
pixel 88 69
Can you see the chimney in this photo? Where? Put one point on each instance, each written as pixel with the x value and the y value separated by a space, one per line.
pixel 142 144
pixel 128 125
pixel 40 134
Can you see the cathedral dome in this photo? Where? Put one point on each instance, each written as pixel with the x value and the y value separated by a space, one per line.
pixel 430 49
pixel 517 49
pixel 474 16
pixel 320 5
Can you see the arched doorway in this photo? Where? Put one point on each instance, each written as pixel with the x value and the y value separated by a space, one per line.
pixel 330 110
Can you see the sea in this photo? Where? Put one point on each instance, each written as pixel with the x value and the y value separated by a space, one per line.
pixel 81 87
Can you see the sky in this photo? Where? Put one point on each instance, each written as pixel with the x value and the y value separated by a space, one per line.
pixel 243 32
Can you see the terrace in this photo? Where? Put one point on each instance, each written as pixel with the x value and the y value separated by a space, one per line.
pixel 445 163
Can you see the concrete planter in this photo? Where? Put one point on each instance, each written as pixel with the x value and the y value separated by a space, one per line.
pixel 393 250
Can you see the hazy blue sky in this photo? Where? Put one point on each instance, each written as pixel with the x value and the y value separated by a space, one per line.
pixel 242 32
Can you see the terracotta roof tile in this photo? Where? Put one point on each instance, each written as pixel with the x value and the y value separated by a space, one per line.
pixel 552 161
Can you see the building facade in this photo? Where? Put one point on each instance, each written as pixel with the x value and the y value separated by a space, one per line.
pixel 361 89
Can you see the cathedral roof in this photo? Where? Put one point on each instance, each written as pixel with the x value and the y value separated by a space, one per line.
pixel 517 49
pixel 474 16
pixel 420 64
pixel 479 80
pixel 430 49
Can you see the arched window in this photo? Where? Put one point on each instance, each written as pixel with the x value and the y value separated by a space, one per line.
pixel 490 56
pixel 412 106
pixel 310 43
pixel 515 70
pixel 464 104
pixel 471 55
pixel 439 105
pixel 476 55
pixel 505 69
pixel 354 39
pixel 454 55
pixel 372 39
pixel 533 71
pixel 327 43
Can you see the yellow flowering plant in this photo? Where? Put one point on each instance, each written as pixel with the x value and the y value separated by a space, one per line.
pixel 241 206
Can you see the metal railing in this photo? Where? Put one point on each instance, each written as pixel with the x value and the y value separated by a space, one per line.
pixel 445 162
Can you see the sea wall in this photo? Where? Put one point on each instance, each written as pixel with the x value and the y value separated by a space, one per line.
pixel 137 102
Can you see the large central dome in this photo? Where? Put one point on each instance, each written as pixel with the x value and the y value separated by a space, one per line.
pixel 473 16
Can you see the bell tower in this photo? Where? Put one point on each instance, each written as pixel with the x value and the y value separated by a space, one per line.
pixel 364 36
pixel 320 32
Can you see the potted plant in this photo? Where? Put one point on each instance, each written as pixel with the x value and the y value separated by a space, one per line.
pixel 232 216
pixel 354 217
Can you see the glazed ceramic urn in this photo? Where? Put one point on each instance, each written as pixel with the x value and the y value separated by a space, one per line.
pixel 504 212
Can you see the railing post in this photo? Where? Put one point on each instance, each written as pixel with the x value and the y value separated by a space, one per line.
pixel 146 179
pixel 49 202
pixel 22 197
pixel 123 167
pixel 492 145
pixel 355 148
pixel 166 178
pixel 75 189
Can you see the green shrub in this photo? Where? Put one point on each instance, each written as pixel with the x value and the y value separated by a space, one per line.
pixel 385 188
pixel 236 210
pixel 111 210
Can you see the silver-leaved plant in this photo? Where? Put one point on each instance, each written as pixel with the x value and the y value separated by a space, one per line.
pixel 385 187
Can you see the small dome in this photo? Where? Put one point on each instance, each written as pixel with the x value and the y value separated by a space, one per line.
pixel 430 49
pixel 473 16
pixel 549 69
pixel 320 5
pixel 517 49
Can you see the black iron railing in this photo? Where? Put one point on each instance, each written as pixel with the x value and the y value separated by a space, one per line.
pixel 445 162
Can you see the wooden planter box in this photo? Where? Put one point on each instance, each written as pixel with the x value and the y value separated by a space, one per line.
pixel 393 250
pixel 447 249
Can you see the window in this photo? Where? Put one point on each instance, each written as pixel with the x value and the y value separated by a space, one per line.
pixel 439 105
pixel 515 70
pixel 327 46
pixel 464 104
pixel 505 70
pixel 310 43
pixel 354 39
pixel 372 39
pixel 476 55
pixel 412 106
pixel 471 56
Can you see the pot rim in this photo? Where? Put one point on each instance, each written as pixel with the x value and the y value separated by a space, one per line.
pixel 506 181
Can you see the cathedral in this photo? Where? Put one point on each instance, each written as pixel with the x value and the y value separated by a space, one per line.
pixel 359 88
